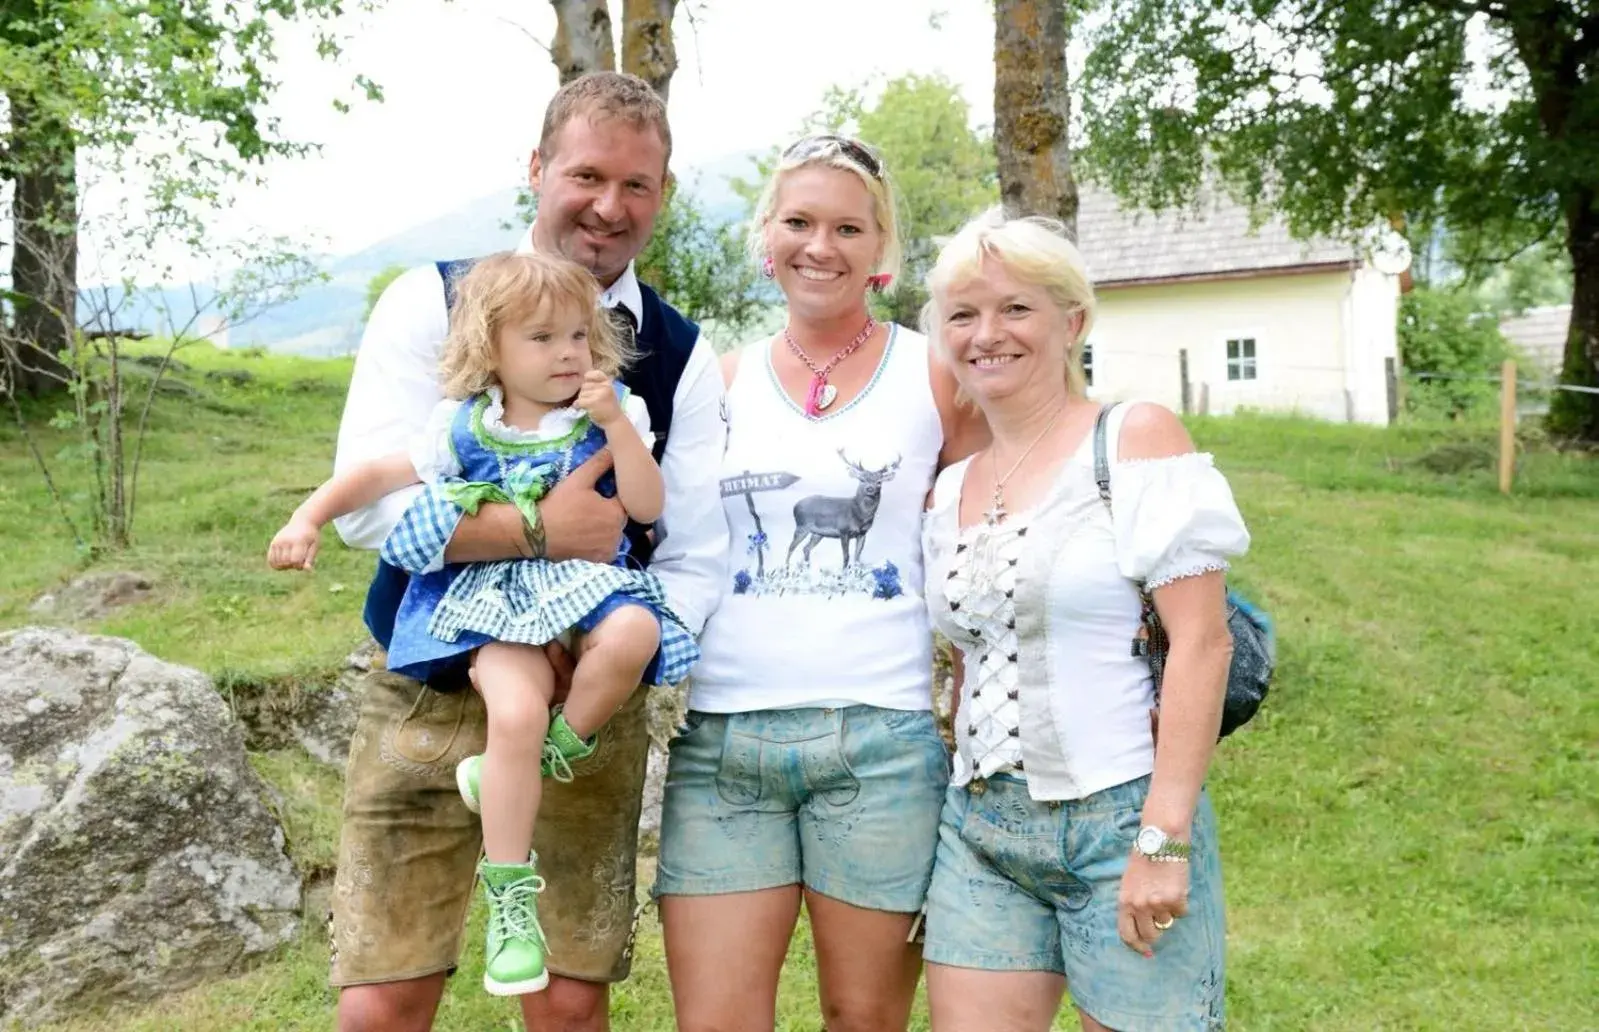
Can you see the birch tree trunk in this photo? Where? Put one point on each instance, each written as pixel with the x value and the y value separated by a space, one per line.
pixel 583 39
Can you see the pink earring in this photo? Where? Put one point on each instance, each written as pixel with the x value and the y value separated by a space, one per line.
pixel 879 282
pixel 768 269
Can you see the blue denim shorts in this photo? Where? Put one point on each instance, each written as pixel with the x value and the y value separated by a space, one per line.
pixel 1022 885
pixel 845 801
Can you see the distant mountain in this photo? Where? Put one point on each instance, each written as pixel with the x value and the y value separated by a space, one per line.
pixel 325 319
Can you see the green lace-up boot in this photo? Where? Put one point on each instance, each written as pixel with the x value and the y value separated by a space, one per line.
pixel 515 950
pixel 561 748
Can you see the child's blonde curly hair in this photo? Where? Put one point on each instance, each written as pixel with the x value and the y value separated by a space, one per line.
pixel 508 286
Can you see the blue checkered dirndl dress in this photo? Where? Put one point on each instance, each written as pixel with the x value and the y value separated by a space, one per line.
pixel 531 601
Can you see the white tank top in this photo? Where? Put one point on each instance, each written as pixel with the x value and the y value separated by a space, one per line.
pixel 823 605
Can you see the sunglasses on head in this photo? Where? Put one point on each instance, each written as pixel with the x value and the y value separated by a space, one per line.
pixel 856 151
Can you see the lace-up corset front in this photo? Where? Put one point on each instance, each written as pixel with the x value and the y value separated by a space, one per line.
pixel 980 598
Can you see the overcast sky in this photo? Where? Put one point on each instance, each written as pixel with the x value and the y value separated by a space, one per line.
pixel 465 86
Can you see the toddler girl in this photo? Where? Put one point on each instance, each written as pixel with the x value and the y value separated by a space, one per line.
pixel 528 365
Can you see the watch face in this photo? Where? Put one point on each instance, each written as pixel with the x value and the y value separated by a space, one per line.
pixel 1150 840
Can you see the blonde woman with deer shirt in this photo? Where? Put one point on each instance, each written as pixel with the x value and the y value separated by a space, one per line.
pixel 809 768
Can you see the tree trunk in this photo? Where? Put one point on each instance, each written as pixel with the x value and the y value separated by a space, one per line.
pixel 1032 109
pixel 42 166
pixel 647 48
pixel 1575 415
pixel 583 39
pixel 1555 60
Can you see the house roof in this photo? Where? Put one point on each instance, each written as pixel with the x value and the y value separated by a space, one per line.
pixel 1210 241
pixel 1540 334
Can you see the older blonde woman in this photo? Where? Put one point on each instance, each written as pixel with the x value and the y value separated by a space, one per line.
pixel 1076 849
pixel 810 769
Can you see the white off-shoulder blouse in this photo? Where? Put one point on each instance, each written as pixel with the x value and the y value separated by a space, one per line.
pixel 1045 608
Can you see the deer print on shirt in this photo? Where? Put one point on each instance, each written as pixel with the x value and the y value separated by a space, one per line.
pixel 847 519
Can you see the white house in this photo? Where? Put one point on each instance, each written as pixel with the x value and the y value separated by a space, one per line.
pixel 1266 321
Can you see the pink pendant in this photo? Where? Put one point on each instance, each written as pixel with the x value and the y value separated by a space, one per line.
pixel 813 397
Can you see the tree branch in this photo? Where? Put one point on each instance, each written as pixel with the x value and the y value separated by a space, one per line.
pixel 44 471
pixel 1475 263
pixel 524 30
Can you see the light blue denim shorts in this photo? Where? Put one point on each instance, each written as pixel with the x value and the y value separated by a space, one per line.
pixel 1022 885
pixel 845 801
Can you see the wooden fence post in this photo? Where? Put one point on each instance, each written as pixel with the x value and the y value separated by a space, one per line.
pixel 1182 373
pixel 1507 424
pixel 1391 371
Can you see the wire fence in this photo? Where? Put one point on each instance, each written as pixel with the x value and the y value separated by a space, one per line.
pixel 1521 385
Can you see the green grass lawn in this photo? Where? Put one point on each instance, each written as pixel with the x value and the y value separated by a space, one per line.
pixel 1411 828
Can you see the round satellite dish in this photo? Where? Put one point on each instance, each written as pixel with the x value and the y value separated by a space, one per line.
pixel 1390 253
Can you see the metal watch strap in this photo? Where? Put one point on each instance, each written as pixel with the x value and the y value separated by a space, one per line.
pixel 1171 852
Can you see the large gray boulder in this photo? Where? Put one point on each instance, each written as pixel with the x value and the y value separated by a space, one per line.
pixel 136 854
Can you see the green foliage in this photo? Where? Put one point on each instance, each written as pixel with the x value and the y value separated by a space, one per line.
pixel 1448 333
pixel 942 169
pixel 377 285
pixel 109 78
pixel 1508 276
pixel 1539 276
pixel 161 103
pixel 1339 116
pixel 1371 112
pixel 1445 331
pixel 110 386
pixel 701 267
pixel 698 265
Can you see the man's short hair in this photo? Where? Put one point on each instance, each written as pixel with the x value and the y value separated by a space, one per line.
pixel 605 95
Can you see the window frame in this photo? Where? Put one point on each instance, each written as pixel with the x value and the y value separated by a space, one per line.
pixel 1249 363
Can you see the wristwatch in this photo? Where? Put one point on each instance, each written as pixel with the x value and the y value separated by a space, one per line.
pixel 1154 844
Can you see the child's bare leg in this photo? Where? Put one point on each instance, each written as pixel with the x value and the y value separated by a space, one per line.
pixel 517 684
pixel 611 660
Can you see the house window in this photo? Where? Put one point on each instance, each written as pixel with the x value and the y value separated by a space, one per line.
pixel 1241 358
pixel 1088 363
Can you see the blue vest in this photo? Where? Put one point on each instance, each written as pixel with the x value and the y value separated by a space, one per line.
pixel 665 340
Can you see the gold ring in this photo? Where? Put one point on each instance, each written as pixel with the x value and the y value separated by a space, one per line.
pixel 1168 924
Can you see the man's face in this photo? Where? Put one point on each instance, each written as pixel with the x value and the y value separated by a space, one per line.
pixel 599 193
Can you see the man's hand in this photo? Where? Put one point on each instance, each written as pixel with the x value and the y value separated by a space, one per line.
pixel 578 523
pixel 598 398
pixel 562 663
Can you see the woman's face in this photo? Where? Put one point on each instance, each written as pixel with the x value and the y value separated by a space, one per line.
pixel 1004 336
pixel 823 239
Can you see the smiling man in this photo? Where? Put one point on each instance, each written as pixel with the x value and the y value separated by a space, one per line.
pixel 409 846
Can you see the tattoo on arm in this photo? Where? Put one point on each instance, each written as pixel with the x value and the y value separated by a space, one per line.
pixel 533 538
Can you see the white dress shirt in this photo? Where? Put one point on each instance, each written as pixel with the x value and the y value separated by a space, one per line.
pixel 395 387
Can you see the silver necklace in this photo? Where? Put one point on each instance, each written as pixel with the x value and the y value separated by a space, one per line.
pixel 997 513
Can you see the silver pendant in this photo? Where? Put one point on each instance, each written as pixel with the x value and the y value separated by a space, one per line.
pixel 998 512
pixel 826 396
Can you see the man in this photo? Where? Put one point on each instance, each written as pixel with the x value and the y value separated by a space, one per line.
pixel 409 846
